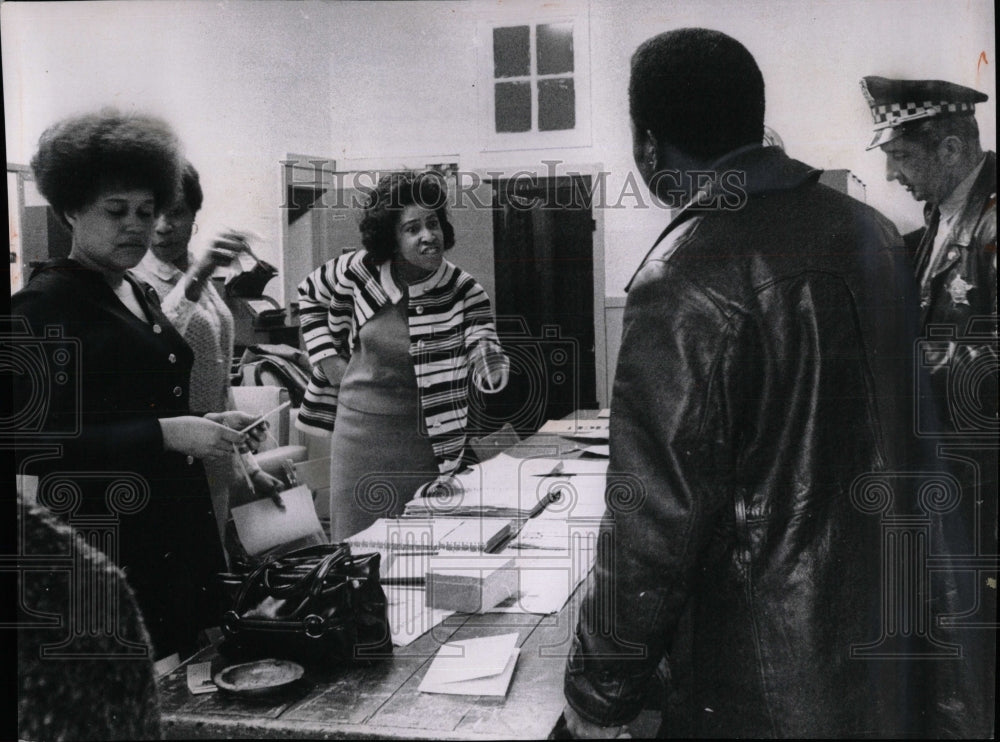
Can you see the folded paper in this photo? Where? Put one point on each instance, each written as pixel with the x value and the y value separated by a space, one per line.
pixel 199 678
pixel 481 667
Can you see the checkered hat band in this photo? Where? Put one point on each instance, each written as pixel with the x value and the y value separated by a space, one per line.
pixel 892 114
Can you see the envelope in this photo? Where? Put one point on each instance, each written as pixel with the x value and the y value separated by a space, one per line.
pixel 262 525
pixel 477 667
pixel 199 678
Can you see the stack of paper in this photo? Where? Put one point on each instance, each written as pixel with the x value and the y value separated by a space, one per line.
pixel 502 487
pixel 471 583
pixel 577 489
pixel 433 534
pixel 554 534
pixel 476 667
pixel 597 430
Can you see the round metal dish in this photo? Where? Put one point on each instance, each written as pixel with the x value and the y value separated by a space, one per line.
pixel 259 678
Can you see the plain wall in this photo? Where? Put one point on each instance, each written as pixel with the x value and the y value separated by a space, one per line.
pixel 242 83
pixel 391 84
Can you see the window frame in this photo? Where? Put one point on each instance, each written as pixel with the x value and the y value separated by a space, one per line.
pixel 580 135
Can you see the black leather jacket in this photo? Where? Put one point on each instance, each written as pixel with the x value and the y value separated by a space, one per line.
pixel 762 402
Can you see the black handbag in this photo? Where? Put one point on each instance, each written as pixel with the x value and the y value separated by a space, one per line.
pixel 319 605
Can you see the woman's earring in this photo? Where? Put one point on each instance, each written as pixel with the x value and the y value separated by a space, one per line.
pixel 194 227
pixel 651 158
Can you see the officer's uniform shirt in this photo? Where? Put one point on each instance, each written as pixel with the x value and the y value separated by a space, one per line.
pixel 949 209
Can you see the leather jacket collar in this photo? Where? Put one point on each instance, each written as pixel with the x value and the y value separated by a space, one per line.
pixel 760 170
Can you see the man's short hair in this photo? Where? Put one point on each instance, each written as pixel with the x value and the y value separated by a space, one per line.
pixel 931 132
pixel 699 90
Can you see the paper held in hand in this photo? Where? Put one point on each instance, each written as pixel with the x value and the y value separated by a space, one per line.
pixel 261 525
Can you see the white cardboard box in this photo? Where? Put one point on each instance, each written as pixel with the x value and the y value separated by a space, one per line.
pixel 470 583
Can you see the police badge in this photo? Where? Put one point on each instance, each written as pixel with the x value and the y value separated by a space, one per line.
pixel 959 290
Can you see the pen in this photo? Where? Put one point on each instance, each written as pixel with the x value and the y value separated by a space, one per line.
pixel 263 417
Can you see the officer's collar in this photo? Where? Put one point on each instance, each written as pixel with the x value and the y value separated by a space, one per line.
pixel 955 200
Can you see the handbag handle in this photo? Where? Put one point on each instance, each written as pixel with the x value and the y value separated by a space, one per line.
pixel 311 581
pixel 312 625
pixel 341 551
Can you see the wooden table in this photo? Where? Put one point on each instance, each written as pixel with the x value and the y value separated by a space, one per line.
pixel 382 701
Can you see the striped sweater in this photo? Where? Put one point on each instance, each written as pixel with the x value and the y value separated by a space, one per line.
pixel 448 315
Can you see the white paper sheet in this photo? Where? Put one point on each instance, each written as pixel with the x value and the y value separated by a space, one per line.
pixel 546 582
pixel 583 429
pixel 262 525
pixel 503 486
pixel 480 667
pixel 598 450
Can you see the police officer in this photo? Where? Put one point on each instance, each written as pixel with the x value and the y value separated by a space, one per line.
pixel 928 132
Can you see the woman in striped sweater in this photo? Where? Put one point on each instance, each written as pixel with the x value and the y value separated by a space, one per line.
pixel 395 334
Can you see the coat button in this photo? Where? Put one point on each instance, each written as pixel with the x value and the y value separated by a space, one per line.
pixel 952 254
pixel 157 329
pixel 178 391
pixel 172 358
pixel 419 310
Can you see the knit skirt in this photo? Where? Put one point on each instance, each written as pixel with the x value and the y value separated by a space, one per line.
pixel 376 464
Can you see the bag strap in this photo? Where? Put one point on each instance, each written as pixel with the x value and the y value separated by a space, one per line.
pixel 261 574
pixel 311 582
pixel 281 581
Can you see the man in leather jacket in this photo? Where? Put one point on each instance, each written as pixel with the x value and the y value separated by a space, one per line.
pixel 928 132
pixel 761 425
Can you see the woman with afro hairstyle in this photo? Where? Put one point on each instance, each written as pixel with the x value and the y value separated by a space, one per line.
pixel 202 318
pixel 111 401
pixel 395 334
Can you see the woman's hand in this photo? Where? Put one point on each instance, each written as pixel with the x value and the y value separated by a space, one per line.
pixel 238 420
pixel 264 485
pixel 199 437
pixel 223 251
pixel 490 367
pixel 333 368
